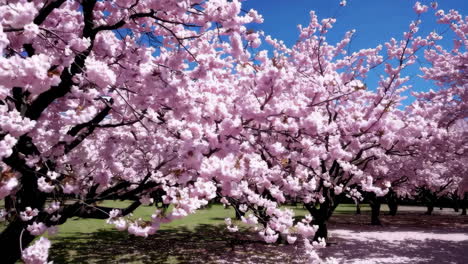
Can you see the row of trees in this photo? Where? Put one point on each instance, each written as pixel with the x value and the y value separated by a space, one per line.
pixel 176 103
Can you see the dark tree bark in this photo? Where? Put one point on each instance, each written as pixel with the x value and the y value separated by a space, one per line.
pixel 322 214
pixel 320 219
pixel 239 213
pixel 392 201
pixel 322 231
pixel 375 203
pixel 10 246
pixel 10 250
pixel 27 195
pixel 430 200
pixel 430 209
pixel 464 203
pixel 430 203
pixel 358 208
pixel 393 208
pixel 456 202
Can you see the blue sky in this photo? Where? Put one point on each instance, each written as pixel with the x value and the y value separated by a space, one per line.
pixel 375 21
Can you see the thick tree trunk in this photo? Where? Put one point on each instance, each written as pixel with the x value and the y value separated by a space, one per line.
pixel 27 196
pixel 375 214
pixel 392 201
pixel 375 203
pixel 456 202
pixel 322 231
pixel 431 200
pixel 10 246
pixel 358 208
pixel 393 208
pixel 430 209
pixel 320 217
pixel 464 203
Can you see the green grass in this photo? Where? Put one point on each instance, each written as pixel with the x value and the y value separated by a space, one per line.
pixel 211 216
pixel 214 215
pixel 180 241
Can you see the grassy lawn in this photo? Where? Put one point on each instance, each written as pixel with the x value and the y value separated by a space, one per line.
pixel 214 215
pixel 199 236
pixel 181 241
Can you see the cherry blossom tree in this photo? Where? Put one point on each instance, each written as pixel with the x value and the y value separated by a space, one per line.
pixel 437 165
pixel 324 135
pixel 95 104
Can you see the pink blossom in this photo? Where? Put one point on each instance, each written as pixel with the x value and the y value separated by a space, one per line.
pixel 53 207
pixel 28 214
pixel 146 200
pixel 44 186
pixel 139 230
pixel 338 189
pixel 113 214
pixel 419 9
pixel 291 239
pixel 305 230
pixel 271 238
pixel 243 208
pixel 6 186
pixel 3 43
pixel 37 229
pixel 120 224
pixel 6 146
pixel 99 73
pixel 17 14
pixel 70 188
pixel 269 235
pixel 3 215
pixel 55 218
pixel 233 229
pixel 37 253
pixel 250 219
pixel 31 30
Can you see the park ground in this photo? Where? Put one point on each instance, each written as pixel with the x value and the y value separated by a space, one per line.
pixel 409 237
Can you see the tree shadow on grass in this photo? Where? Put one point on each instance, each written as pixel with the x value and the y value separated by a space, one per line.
pixel 204 244
pixel 406 238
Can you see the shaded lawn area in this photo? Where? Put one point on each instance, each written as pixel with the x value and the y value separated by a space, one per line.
pixel 409 237
pixel 198 238
pixel 203 244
